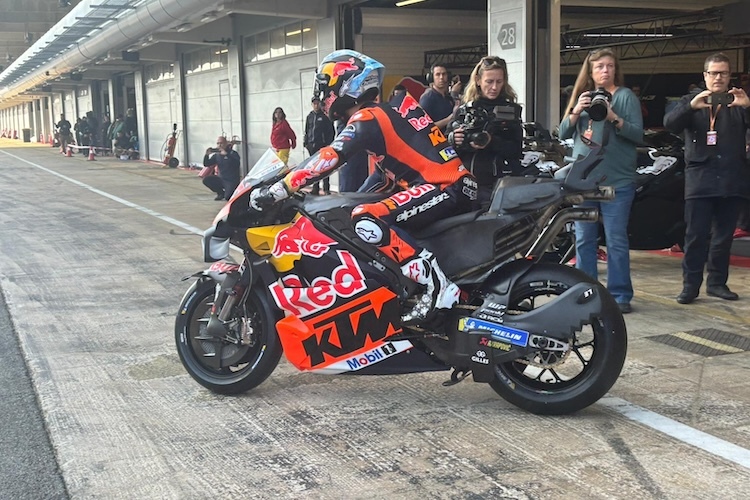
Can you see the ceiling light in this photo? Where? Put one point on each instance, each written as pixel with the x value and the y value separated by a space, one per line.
pixel 627 35
pixel 209 16
pixel 183 27
pixel 297 32
pixel 404 3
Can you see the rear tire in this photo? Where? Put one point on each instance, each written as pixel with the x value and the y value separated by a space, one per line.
pixel 244 366
pixel 554 383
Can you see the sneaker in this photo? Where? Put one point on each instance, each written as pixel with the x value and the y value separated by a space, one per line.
pixel 675 248
pixel 440 292
pixel 625 307
pixel 601 255
pixel 740 233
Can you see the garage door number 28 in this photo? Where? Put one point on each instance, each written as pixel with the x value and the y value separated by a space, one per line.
pixel 507 36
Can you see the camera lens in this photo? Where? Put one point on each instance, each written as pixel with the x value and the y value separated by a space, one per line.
pixel 599 106
pixel 480 139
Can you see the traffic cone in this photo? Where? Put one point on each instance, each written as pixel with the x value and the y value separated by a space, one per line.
pixel 92 153
pixel 69 152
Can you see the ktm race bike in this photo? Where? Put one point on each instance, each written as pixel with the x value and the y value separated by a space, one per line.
pixel 546 337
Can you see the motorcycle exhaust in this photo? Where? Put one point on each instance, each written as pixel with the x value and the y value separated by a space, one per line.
pixel 556 224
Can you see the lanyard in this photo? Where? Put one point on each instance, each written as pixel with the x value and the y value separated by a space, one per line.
pixel 713 116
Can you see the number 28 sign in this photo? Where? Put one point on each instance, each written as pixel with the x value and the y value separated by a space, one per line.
pixel 507 36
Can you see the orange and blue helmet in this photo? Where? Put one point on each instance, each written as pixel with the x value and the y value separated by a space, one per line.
pixel 346 78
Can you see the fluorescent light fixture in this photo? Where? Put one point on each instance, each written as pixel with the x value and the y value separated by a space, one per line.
pixel 628 35
pixel 183 27
pixel 404 3
pixel 222 51
pixel 297 32
pixel 209 16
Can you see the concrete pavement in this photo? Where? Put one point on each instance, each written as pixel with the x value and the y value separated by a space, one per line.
pixel 90 260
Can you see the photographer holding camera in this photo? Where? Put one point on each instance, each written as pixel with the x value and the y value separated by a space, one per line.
pixel 600 100
pixel 227 161
pixel 716 176
pixel 486 130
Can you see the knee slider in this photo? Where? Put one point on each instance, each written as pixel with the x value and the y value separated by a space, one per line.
pixel 371 230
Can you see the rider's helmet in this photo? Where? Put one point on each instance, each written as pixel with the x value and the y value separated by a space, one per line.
pixel 346 78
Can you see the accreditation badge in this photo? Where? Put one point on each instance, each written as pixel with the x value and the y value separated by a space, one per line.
pixel 711 138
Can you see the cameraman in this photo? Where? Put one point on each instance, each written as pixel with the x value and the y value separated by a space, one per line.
pixel 486 130
pixel 716 176
pixel 227 161
pixel 600 100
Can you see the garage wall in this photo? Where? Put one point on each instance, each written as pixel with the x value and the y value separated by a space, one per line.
pixel 286 82
pixel 161 109
pixel 203 102
pixel 399 39
pixel 83 95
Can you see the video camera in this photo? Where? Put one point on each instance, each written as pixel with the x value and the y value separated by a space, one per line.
pixel 479 123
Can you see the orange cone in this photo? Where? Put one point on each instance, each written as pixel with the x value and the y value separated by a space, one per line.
pixel 69 152
pixel 92 153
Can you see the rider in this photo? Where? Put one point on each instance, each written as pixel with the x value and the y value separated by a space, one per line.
pixel 410 150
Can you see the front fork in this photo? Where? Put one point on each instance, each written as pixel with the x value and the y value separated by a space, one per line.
pixel 232 287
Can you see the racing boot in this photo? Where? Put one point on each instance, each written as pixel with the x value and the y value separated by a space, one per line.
pixel 441 293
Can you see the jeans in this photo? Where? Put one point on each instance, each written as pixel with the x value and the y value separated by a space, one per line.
pixel 614 216
pixel 708 239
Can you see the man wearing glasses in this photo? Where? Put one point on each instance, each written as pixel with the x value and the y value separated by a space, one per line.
pixel 717 177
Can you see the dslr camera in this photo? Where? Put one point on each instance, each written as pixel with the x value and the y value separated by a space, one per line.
pixel 719 98
pixel 599 106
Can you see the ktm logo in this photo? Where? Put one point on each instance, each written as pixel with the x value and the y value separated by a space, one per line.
pixel 436 136
pixel 351 327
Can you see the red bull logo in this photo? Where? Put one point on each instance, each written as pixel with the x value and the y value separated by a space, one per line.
pixel 407 105
pixel 302 238
pixel 336 69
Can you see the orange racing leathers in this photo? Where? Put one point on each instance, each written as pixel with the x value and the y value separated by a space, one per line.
pixel 411 152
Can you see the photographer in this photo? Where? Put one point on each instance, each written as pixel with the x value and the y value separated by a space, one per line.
pixel 714 121
pixel 227 161
pixel 486 130
pixel 598 101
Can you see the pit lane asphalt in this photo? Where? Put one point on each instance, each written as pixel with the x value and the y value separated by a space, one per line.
pixel 90 259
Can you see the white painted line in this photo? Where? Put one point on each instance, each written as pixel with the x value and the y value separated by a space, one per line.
pixel 660 423
pixel 165 218
pixel 681 432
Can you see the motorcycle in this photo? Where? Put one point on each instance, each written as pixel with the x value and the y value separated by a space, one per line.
pixel 544 336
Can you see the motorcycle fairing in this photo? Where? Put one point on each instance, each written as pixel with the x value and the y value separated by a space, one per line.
pixel 339 338
pixel 286 244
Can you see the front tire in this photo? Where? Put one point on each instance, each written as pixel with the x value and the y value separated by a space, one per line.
pixel 558 382
pixel 243 366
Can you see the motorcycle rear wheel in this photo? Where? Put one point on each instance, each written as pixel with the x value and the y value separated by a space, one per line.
pixel 554 383
pixel 244 366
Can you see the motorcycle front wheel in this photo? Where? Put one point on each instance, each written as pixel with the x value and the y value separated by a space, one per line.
pixel 563 380
pixel 226 365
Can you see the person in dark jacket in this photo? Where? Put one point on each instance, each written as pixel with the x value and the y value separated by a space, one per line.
pixel 227 160
pixel 496 151
pixel 716 177
pixel 318 133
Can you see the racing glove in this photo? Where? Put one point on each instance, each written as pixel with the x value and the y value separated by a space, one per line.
pixel 264 197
